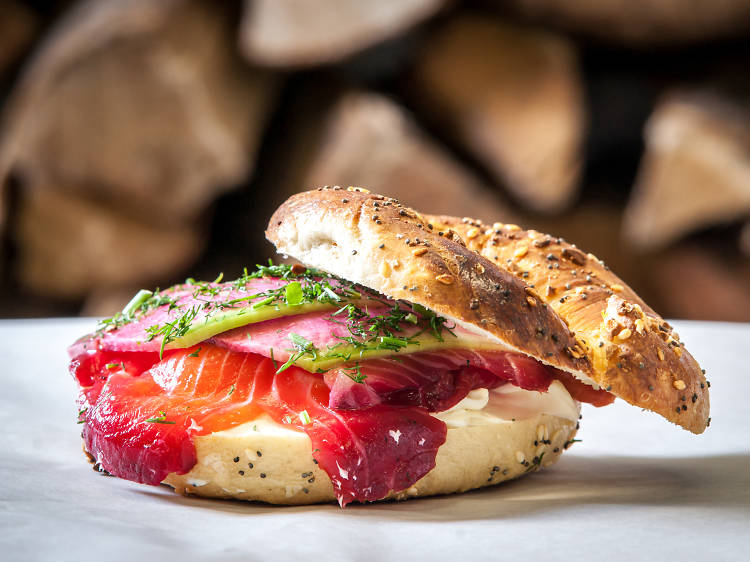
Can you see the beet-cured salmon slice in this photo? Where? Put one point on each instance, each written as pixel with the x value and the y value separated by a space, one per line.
pixel 366 453
pixel 140 426
pixel 439 380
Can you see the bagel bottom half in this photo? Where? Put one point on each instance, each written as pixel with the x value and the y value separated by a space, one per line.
pixel 263 461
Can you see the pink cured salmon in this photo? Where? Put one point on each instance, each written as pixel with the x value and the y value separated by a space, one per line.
pixel 140 426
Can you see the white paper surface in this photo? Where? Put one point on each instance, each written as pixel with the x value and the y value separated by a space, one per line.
pixel 636 488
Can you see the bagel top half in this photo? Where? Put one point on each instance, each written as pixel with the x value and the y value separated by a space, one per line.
pixel 534 293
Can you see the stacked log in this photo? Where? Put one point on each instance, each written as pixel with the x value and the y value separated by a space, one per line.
pixel 513 97
pixel 141 112
pixel 643 22
pixel 695 172
pixel 146 140
pixel 294 33
pixel 370 141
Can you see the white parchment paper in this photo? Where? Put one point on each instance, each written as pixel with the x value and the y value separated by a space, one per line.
pixel 636 488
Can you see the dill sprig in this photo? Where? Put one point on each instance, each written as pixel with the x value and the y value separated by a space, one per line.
pixel 386 331
pixel 170 331
pixel 303 286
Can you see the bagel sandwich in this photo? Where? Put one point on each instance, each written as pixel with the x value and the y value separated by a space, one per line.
pixel 402 356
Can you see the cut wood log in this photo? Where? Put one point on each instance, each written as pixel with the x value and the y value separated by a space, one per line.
pixel 69 246
pixel 372 142
pixel 291 33
pixel 695 172
pixel 513 97
pixel 640 22
pixel 143 105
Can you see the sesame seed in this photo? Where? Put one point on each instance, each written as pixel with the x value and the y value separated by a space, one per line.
pixel 660 354
pixel 617 288
pixel 419 252
pixel 472 233
pixel 624 334
pixel 679 384
pixel 262 474
pixel 520 252
pixel 445 279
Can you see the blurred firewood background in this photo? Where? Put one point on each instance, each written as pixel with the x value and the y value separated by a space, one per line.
pixel 143 141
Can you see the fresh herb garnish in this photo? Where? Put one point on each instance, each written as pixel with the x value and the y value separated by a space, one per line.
pixel 170 331
pixel 536 463
pixel 399 326
pixel 354 373
pixel 302 347
pixel 161 418
pixel 195 353
pixel 293 294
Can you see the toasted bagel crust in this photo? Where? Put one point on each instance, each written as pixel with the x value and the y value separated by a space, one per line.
pixel 375 241
pixel 635 354
pixel 481 455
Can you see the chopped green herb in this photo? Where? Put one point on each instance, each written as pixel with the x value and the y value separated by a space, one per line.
pixel 161 418
pixel 195 353
pixel 293 294
pixel 536 463
pixel 264 302
pixel 389 342
pixel 304 417
pixel 140 297
pixel 231 390
pixel 354 373
pixel 114 365
pixel 302 347
pixel 170 331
